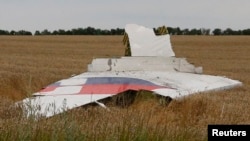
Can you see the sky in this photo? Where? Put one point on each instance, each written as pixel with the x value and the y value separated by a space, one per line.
pixel 32 15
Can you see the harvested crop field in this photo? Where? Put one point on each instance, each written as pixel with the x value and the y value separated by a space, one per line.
pixel 28 63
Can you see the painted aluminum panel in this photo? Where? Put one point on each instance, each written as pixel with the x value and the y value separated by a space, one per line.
pixel 93 86
pixel 152 67
pixel 143 64
pixel 144 42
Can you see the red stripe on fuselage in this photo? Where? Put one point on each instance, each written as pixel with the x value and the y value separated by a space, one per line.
pixel 49 89
pixel 114 88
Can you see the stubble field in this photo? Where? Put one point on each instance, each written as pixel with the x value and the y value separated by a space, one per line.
pixel 28 63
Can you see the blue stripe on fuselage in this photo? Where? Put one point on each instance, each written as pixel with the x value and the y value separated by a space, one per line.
pixel 118 80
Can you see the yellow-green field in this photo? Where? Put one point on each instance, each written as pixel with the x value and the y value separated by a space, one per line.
pixel 28 63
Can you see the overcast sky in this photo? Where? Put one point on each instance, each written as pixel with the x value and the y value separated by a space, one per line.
pixel 34 15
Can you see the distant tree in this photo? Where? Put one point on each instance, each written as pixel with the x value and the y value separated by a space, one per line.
pixel 239 32
pixel 27 33
pixel 120 31
pixel 113 32
pixel 228 31
pixel 106 32
pixel 98 31
pixel 4 32
pixel 174 31
pixel 55 32
pixel 45 32
pixel 170 30
pixel 12 32
pixel 117 31
pixel 23 32
pixel 178 31
pixel 37 32
pixel 185 31
pixel 61 32
pixel 192 32
pixel 246 32
pixel 217 31
pixel 68 32
pixel 90 31
pixel 77 31
pixel 195 32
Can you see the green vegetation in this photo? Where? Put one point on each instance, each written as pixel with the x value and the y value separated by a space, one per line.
pixel 119 31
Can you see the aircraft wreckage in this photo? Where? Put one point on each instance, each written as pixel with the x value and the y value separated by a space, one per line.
pixel 149 64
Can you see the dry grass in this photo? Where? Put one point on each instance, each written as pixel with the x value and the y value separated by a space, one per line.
pixel 29 63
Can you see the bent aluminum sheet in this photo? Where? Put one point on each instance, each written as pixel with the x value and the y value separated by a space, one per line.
pixel 144 42
pixel 93 86
pixel 143 64
pixel 152 67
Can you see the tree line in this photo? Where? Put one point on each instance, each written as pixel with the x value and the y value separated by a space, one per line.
pixel 119 31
